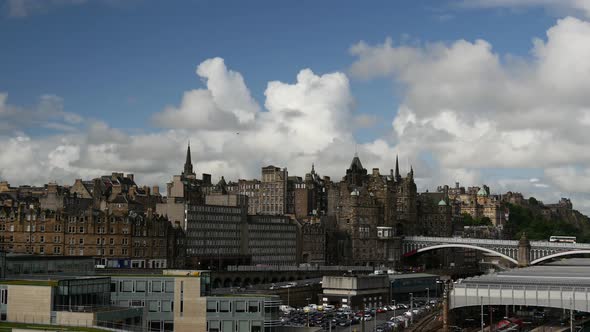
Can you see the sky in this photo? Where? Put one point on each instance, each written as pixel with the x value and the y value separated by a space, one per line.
pixel 473 91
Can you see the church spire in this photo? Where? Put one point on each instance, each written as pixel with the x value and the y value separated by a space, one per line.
pixel 397 175
pixel 188 165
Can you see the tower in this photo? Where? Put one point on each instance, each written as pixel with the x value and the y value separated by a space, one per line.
pixel 398 177
pixel 188 165
pixel 524 251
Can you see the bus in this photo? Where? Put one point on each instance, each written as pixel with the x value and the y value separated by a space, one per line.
pixel 565 239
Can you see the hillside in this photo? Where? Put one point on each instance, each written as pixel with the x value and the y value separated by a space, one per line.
pixel 539 222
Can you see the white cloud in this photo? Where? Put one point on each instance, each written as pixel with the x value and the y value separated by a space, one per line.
pixel 560 7
pixel 48 113
pixel 472 108
pixel 225 104
pixel 26 8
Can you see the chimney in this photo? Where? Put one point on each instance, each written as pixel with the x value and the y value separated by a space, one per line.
pixel 375 171
pixel 156 190
pixel 52 187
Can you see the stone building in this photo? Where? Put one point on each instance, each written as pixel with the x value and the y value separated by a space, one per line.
pixel 435 215
pixel 272 198
pixel 134 240
pixel 372 212
pixel 477 202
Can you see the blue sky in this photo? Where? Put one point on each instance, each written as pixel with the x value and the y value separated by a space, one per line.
pixel 464 90
pixel 119 62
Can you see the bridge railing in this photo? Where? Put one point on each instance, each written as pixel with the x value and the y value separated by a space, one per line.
pixel 492 242
pixel 252 268
pixel 463 240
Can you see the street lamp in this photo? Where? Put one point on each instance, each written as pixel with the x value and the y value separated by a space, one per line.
pixel 428 296
pixel 411 308
pixel 481 302
pixel 308 310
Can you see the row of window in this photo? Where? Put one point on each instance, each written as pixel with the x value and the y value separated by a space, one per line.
pixel 142 286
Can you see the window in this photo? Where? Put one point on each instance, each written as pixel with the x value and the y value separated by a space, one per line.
pixel 253 306
pixel 4 296
pixel 57 250
pixel 153 306
pixel 140 286
pixel 81 240
pixel 240 306
pixel 42 250
pixel 166 306
pixel 155 325
pixel 213 326
pixel 42 228
pixel 256 326
pixel 111 241
pixel 169 286
pixel 42 239
pixel 113 287
pixel 156 286
pixel 211 306
pixel 224 306
pixel 81 229
pixel 127 286
pixel 81 252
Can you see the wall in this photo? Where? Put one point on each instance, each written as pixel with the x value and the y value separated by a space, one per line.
pixel 29 304
pixel 187 294
pixel 75 318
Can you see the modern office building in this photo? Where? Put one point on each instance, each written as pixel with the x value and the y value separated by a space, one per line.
pixel 355 291
pixel 181 303
pixel 72 301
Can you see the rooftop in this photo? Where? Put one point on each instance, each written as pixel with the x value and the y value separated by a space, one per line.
pixel 566 274
pixel 413 276
pixel 7 327
pixel 29 282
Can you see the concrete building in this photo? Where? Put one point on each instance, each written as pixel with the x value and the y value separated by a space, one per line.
pixel 80 301
pixel 217 234
pixel 418 284
pixel 182 303
pixel 273 240
pixel 355 292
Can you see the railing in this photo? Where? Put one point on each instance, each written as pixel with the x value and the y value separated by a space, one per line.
pixel 275 268
pixel 87 308
pixel 511 243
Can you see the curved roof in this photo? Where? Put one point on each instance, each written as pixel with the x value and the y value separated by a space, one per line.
pixel 482 192
pixel 442 203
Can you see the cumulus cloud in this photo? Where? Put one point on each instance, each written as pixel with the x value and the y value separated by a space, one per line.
pixel 26 8
pixel 473 108
pixel 309 120
pixel 225 104
pixel 47 113
pixel 571 7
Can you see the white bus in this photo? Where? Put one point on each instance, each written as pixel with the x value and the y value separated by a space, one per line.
pixel 566 239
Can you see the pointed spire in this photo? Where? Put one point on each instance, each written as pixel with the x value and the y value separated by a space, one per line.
pixel 312 168
pixel 188 165
pixel 397 175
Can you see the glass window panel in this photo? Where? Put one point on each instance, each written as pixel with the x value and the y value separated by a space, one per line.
pixel 140 286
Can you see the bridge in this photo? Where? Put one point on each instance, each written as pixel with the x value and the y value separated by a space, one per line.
pixel 522 252
pixel 563 287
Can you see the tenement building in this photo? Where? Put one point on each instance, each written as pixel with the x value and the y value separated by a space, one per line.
pixel 372 212
pixel 109 218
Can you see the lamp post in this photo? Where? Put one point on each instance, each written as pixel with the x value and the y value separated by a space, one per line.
pixel 428 296
pixel 481 302
pixel 411 308
pixel 308 310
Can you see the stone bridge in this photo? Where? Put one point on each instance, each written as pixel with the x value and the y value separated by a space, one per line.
pixel 522 252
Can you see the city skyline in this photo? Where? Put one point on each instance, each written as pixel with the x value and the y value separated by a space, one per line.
pixel 397 88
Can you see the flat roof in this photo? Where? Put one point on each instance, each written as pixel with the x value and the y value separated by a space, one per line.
pixel 544 275
pixel 413 275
